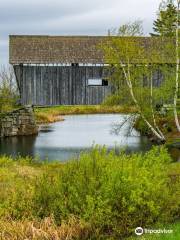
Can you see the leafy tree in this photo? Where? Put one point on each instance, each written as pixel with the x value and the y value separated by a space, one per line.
pixel 128 29
pixel 165 25
pixel 134 82
pixel 8 89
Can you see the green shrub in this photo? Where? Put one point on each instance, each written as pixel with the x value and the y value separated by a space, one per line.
pixel 113 193
pixel 142 127
pixel 8 89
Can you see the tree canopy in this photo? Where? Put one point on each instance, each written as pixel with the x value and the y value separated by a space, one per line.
pixel 165 25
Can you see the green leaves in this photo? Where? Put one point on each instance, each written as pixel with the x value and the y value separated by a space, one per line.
pixel 165 25
pixel 112 193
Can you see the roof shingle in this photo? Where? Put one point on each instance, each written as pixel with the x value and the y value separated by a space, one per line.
pixel 35 49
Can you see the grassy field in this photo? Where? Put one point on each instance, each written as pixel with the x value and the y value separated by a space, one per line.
pixel 52 114
pixel 100 196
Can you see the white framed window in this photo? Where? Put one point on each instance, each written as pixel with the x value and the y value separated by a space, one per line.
pixel 94 82
pixel 97 82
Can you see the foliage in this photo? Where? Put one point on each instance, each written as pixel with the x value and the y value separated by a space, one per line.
pixel 111 194
pixel 128 29
pixel 134 83
pixel 140 80
pixel 167 124
pixel 8 89
pixel 165 25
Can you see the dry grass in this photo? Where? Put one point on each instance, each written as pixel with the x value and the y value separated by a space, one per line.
pixel 27 171
pixel 53 114
pixel 41 230
pixel 50 117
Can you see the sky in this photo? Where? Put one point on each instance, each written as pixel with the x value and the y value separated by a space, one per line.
pixel 70 17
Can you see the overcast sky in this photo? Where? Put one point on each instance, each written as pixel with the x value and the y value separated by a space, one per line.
pixel 70 17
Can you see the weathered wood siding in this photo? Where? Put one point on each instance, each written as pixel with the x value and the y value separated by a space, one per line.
pixel 55 85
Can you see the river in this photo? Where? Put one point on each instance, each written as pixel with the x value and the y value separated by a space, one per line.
pixel 66 139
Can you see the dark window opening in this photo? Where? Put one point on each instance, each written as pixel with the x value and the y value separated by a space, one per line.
pixel 74 64
pixel 104 82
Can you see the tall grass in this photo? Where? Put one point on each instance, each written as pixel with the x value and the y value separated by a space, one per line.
pixel 42 230
pixel 107 195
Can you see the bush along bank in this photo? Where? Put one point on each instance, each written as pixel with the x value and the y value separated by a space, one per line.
pixel 107 195
pixel 169 129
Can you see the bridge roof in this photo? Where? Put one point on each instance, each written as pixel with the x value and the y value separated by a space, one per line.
pixel 38 49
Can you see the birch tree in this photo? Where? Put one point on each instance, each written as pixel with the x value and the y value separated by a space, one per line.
pixel 167 25
pixel 122 56
pixel 177 69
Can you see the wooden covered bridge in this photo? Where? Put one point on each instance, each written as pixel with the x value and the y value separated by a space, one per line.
pixel 55 70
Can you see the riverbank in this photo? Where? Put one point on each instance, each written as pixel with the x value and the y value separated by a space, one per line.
pixel 101 196
pixel 46 115
pixel 55 113
pixel 168 128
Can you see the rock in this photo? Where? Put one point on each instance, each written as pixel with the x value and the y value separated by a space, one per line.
pixel 18 122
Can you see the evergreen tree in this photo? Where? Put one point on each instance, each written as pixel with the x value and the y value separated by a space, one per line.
pixel 165 25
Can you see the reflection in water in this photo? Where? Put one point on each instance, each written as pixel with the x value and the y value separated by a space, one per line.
pixel 64 140
pixel 22 145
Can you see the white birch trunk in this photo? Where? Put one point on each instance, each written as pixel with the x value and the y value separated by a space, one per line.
pixel 129 83
pixel 177 70
pixel 152 110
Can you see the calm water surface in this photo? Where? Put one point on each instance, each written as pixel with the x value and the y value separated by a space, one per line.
pixel 64 140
